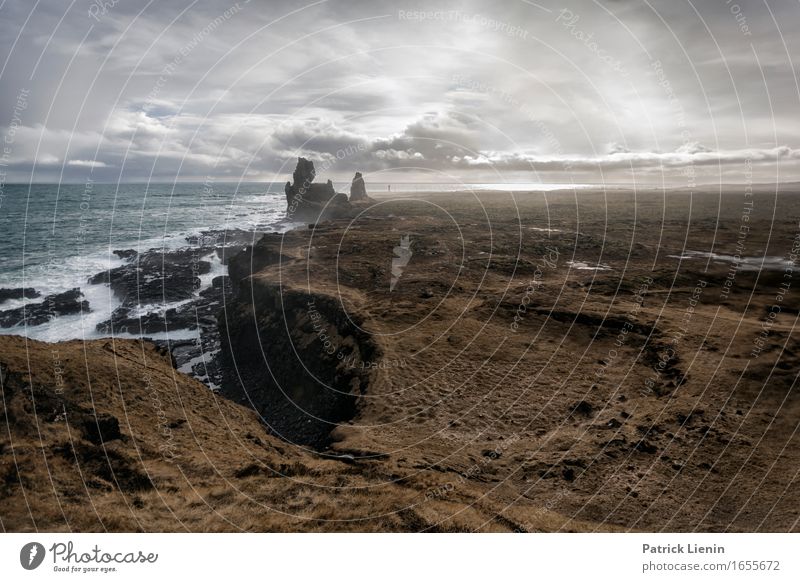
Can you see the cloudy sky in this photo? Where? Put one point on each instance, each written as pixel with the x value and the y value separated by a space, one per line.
pixel 638 91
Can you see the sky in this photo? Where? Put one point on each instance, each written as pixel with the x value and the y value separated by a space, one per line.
pixel 663 92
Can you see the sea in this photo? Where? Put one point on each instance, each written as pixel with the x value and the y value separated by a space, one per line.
pixel 56 236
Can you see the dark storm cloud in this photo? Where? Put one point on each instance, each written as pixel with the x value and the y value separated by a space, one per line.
pixel 554 91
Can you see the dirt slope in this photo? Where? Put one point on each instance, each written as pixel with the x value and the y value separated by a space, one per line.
pixel 106 435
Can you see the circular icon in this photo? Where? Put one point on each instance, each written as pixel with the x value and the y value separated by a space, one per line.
pixel 31 555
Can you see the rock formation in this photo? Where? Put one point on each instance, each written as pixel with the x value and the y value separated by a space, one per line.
pixel 18 293
pixel 66 303
pixel 312 202
pixel 358 191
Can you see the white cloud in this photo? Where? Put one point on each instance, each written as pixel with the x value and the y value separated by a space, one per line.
pixel 87 164
pixel 632 160
pixel 444 95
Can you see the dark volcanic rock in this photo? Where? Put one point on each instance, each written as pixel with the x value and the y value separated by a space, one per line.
pixel 226 253
pixel 226 242
pixel 18 293
pixel 304 174
pixel 266 251
pixel 358 190
pixel 126 254
pixel 199 313
pixel 302 393
pixel 313 202
pixel 66 303
pixel 222 237
pixel 154 322
pixel 152 280
pixel 157 277
pixel 219 286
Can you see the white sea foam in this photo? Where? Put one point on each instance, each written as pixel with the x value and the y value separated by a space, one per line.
pixel 157 217
pixel 79 326
pixel 217 270
pixel 173 335
pixel 75 272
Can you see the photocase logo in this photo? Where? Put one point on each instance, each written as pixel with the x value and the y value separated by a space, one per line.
pixel 402 254
pixel 31 555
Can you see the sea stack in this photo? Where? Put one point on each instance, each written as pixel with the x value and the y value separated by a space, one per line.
pixel 358 191
pixel 312 202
